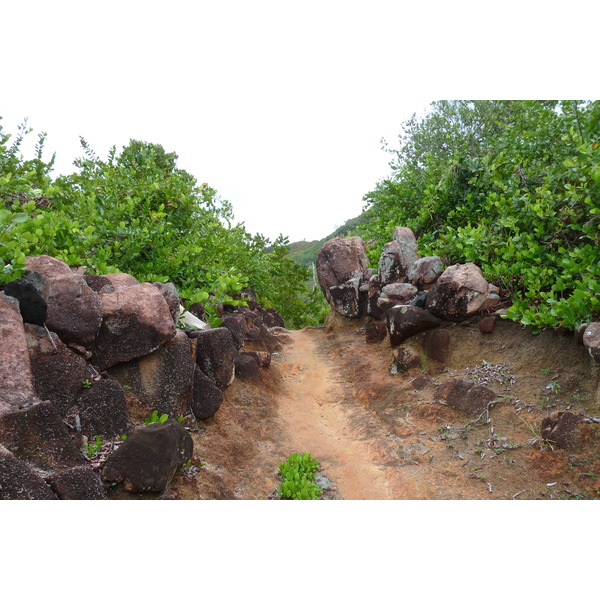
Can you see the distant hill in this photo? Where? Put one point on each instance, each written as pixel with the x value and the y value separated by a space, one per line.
pixel 305 253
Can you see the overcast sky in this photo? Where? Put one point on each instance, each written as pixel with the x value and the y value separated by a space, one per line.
pixel 280 106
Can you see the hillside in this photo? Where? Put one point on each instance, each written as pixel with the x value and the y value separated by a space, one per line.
pixel 305 253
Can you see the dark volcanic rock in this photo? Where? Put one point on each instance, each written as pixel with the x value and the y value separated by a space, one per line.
pixel 32 305
pixel 169 292
pixel 425 271
pixel 163 379
pixel 246 367
pixel 262 358
pixel 215 353
pixel 565 429
pixel 346 298
pixel 149 458
pixel 103 410
pixel 238 327
pixel 18 481
pixel 207 397
pixel 97 282
pixel 340 260
pixel 405 321
pixel 375 331
pixel 375 287
pixel 77 483
pixel 38 436
pixel 136 321
pixel 390 267
pixel 436 344
pixel 394 294
pixel 398 256
pixel 486 325
pixel 58 373
pixel 405 358
pixel 465 395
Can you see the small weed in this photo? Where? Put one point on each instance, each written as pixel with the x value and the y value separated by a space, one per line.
pixel 94 446
pixel 537 439
pixel 298 478
pixel 554 387
pixel 87 384
pixel 154 418
pixel 545 371
pixel 126 387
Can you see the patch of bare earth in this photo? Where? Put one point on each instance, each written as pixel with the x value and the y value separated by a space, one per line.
pixel 379 435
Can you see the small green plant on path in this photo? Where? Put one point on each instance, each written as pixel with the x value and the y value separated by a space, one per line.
pixel 154 418
pixel 94 446
pixel 87 384
pixel 298 478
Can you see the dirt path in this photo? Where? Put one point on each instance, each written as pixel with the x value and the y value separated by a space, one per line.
pixel 315 420
pixel 379 435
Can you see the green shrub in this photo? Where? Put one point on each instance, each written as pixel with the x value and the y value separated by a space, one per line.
pixel 513 186
pixel 297 478
pixel 138 213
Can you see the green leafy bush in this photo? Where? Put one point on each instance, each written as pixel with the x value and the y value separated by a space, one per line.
pixel 138 213
pixel 297 478
pixel 513 186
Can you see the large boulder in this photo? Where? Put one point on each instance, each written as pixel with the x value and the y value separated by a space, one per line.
pixel 16 382
pixel 18 481
pixel 405 321
pixel 215 354
pixel 161 380
pixel 238 327
pixel 58 373
pixel 207 397
pixel 136 320
pixel 591 340
pixel 103 410
pixel 37 435
pixel 338 261
pixel 149 458
pixel 346 298
pixel 74 309
pixel 425 271
pixel 460 292
pixel 398 256
pixel 394 294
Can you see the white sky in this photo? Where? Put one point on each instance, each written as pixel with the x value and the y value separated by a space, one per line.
pixel 280 106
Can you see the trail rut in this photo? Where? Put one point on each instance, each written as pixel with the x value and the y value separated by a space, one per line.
pixel 315 420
